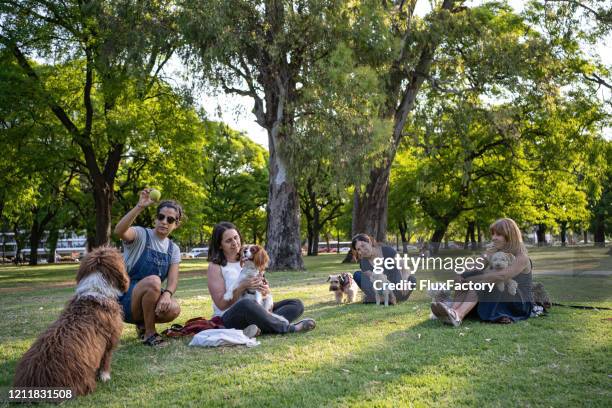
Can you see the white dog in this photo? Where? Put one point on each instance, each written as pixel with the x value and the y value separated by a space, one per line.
pixel 380 280
pixel 502 260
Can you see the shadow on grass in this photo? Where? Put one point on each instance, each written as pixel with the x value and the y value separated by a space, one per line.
pixel 358 355
pixel 345 362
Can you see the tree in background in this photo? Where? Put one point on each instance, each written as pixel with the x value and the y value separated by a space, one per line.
pixel 601 216
pixel 265 50
pixel 235 179
pixel 116 51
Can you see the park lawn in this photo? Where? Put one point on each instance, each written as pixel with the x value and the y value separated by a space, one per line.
pixel 359 355
pixel 62 274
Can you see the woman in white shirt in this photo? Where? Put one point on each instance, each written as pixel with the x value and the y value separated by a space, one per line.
pixel 237 313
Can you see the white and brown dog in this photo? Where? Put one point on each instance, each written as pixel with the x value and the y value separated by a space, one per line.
pixel 502 260
pixel 255 261
pixel 79 345
pixel 343 285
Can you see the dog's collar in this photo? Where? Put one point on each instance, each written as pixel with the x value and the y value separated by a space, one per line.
pixel 347 278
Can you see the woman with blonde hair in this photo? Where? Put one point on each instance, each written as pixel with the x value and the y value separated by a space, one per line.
pixel 495 306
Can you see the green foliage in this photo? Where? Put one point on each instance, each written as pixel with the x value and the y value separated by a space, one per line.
pixel 235 181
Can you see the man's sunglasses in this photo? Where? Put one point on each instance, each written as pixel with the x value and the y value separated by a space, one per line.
pixel 161 217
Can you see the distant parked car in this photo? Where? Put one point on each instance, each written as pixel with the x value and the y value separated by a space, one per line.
pixel 198 252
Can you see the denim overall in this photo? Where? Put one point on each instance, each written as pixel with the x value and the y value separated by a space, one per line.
pixel 151 262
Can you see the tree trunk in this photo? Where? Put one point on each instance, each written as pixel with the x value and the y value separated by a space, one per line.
pixel 479 236
pixel 19 241
pixel 103 199
pixel 437 237
pixel 37 231
pixel 599 230
pixel 473 236
pixel 586 236
pixel 563 226
pixel 466 242
pixel 310 241
pixel 349 258
pixel 403 228
pixel 370 207
pixel 316 228
pixel 35 237
pixel 283 211
pixel 315 242
pixel 52 244
pixel 541 234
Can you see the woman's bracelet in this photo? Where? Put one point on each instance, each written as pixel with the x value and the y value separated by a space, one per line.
pixel 169 291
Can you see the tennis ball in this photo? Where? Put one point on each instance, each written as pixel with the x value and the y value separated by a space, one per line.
pixel 154 195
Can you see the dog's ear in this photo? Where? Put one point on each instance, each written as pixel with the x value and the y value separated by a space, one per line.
pixel 260 257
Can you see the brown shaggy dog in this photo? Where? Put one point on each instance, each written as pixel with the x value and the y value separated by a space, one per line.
pixel 80 343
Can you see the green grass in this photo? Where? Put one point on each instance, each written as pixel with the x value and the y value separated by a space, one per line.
pixel 359 355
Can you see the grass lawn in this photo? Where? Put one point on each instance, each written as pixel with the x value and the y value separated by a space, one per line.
pixel 359 355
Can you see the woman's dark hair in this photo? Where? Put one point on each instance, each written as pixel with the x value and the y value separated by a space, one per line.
pixel 215 253
pixel 362 237
pixel 175 205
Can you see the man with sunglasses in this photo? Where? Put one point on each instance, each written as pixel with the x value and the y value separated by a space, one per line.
pixel 151 258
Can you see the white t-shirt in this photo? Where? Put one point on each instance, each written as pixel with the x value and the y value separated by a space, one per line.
pixel 134 249
pixel 230 273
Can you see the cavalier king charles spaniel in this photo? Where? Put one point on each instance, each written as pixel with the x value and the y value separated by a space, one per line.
pixel 255 260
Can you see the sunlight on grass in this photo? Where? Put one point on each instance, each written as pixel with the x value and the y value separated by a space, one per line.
pixel 359 355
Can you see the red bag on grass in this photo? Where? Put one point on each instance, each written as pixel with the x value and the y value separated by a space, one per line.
pixel 193 326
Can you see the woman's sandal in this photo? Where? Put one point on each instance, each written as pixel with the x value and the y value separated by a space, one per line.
pixel 140 331
pixel 307 325
pixel 504 320
pixel 446 314
pixel 155 340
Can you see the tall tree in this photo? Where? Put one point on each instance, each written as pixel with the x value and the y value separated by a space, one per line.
pixel 404 63
pixel 117 50
pixel 263 50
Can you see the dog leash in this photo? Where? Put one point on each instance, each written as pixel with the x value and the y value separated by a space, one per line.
pixel 582 307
